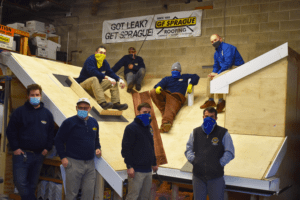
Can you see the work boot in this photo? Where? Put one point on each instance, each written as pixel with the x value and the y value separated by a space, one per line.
pixel 208 104
pixel 221 106
pixel 119 106
pixel 138 87
pixel 129 87
pixel 106 105
pixel 165 128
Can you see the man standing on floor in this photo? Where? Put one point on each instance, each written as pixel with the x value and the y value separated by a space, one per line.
pixel 138 153
pixel 209 149
pixel 77 142
pixel 96 77
pixel 30 134
pixel 169 94
pixel 134 69
pixel 226 57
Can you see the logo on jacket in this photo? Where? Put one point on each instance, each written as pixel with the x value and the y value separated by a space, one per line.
pixel 151 130
pixel 95 129
pixel 215 141
pixel 136 64
pixel 44 122
pixel 103 72
pixel 180 79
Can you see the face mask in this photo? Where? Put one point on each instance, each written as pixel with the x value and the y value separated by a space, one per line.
pixel 131 56
pixel 208 125
pixel 176 74
pixel 35 101
pixel 217 44
pixel 145 118
pixel 82 113
pixel 100 58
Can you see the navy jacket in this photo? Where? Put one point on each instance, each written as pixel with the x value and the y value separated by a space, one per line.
pixel 81 138
pixel 178 84
pixel 31 129
pixel 138 146
pixel 225 56
pixel 138 63
pixel 90 69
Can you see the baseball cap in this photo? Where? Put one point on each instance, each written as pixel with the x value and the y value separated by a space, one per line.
pixel 85 100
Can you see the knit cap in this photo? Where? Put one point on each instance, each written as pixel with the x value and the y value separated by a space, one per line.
pixel 176 66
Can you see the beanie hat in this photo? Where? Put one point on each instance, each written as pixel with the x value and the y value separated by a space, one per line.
pixel 176 66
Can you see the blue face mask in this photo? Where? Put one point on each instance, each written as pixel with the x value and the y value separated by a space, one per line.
pixel 82 113
pixel 208 125
pixel 35 101
pixel 176 74
pixel 145 118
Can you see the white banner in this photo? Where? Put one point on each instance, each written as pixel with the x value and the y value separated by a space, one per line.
pixel 161 26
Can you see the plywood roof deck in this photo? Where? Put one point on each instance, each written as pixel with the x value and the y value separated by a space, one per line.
pixel 253 153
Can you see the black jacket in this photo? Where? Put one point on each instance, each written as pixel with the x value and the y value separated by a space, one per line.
pixel 31 129
pixel 138 146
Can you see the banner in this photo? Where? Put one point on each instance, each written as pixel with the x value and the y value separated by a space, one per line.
pixel 160 26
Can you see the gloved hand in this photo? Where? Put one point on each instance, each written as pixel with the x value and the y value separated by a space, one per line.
pixel 113 81
pixel 190 88
pixel 158 90
pixel 121 83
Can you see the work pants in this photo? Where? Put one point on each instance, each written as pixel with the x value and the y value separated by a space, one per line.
pixel 168 103
pixel 26 173
pixel 214 188
pixel 80 173
pixel 96 89
pixel 136 78
pixel 139 187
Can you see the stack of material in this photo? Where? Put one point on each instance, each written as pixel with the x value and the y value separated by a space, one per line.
pixel 49 190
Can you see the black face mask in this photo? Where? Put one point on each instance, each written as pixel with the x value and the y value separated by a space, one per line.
pixel 217 44
pixel 131 56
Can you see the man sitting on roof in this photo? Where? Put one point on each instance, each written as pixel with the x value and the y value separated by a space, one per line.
pixel 226 57
pixel 96 77
pixel 169 94
pixel 134 69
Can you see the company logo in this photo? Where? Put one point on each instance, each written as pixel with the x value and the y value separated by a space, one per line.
pixel 215 141
pixel 95 129
pixel 44 122
pixel 171 23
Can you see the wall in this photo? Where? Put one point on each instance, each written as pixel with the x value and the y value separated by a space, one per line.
pixel 253 26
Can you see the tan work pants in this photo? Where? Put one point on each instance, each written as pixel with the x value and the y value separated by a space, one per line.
pixel 168 103
pixel 216 96
pixel 139 187
pixel 80 173
pixel 96 89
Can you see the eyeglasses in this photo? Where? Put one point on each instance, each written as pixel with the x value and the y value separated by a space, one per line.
pixel 83 108
pixel 132 51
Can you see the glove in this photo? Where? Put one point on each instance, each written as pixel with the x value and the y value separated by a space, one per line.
pixel 113 81
pixel 121 83
pixel 158 90
pixel 190 88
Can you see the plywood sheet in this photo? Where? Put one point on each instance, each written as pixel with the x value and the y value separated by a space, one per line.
pixel 174 142
pixel 256 104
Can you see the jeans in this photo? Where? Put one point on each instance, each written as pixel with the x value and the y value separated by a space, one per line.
pixel 26 173
pixel 214 188
pixel 135 78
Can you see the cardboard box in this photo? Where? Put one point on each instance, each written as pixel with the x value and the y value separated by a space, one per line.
pixel 6 42
pixel 39 34
pixel 50 29
pixel 54 38
pixel 36 26
pixel 42 52
pixel 19 26
pixel 51 54
pixel 53 45
pixel 39 42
